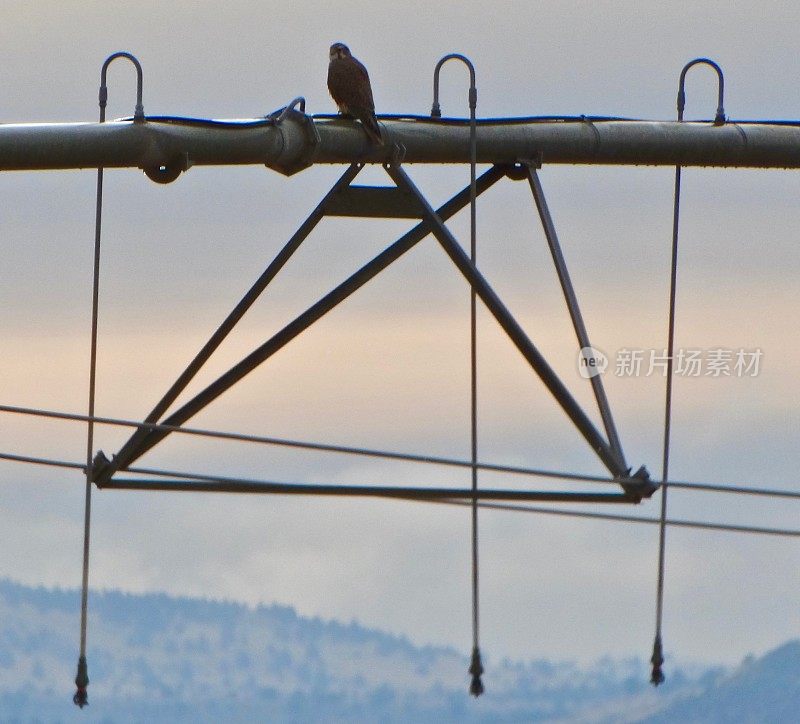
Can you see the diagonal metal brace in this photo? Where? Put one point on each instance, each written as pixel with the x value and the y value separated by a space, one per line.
pixel 574 309
pixel 105 469
pixel 144 439
pixel 512 328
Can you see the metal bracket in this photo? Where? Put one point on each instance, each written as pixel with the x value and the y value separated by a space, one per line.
pixel 520 170
pixel 299 101
pixel 309 132
pixel 166 173
pixel 345 199
pixel 384 202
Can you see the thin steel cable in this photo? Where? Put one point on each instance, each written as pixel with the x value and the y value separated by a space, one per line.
pixel 702 525
pixel 657 658
pixel 476 668
pixel 700 487
pixel 10 457
pixel 82 679
pixel 92 395
pixel 320 447
pixel 618 518
pixel 477 687
pixel 735 489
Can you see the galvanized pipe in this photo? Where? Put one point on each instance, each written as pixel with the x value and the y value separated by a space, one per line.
pixel 298 141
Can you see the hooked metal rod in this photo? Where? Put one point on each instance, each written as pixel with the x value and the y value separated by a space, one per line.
pixel 298 141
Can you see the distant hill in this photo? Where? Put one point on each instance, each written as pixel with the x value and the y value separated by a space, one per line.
pixel 154 658
pixel 765 690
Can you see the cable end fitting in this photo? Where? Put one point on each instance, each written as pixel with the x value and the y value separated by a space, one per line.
pixel 657 660
pixel 476 670
pixel 81 697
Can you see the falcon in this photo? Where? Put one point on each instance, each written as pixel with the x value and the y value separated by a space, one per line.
pixel 348 83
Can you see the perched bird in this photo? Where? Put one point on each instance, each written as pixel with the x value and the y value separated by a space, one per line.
pixel 348 83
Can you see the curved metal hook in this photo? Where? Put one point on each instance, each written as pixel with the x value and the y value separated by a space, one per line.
pixel 138 114
pixel 436 111
pixel 719 119
pixel 294 102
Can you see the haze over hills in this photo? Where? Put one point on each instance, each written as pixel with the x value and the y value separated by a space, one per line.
pixel 157 658
pixel 760 690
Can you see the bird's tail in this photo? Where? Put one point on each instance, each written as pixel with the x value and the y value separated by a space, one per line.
pixel 373 130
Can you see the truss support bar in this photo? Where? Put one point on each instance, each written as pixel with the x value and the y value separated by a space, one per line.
pixel 223 486
pixel 300 324
pixel 381 202
pixel 297 141
pixel 123 458
pixel 512 328
pixel 574 309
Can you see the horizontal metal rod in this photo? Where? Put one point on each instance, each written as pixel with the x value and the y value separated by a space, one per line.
pixel 733 489
pixel 298 141
pixel 527 509
pixel 361 491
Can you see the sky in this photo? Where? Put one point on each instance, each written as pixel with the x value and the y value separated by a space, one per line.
pixel 389 369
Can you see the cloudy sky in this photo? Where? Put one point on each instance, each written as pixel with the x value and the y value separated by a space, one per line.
pixel 389 369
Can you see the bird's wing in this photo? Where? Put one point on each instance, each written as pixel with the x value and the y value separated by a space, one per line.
pixel 364 84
